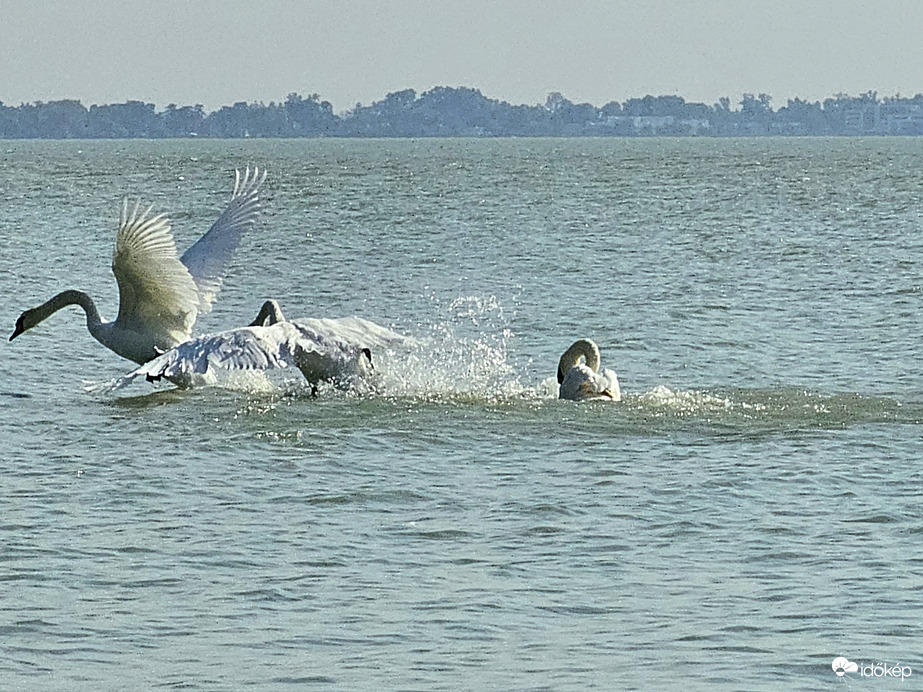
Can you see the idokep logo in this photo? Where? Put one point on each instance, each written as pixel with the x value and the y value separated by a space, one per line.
pixel 842 665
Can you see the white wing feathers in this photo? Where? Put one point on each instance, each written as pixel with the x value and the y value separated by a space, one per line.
pixel 581 383
pixel 353 332
pixel 157 295
pixel 160 294
pixel 207 260
pixel 323 349
pixel 247 348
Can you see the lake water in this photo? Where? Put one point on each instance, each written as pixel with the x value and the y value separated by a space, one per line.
pixel 749 512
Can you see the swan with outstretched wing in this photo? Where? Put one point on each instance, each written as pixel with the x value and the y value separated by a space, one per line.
pixel 324 350
pixel 160 294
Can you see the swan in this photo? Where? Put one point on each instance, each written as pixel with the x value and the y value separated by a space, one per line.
pixel 579 375
pixel 334 350
pixel 160 295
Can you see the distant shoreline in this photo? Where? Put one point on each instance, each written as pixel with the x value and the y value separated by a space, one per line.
pixel 465 112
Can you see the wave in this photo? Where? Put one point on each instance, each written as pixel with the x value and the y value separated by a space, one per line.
pixel 785 407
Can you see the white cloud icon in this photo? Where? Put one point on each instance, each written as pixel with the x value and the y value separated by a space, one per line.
pixel 841 666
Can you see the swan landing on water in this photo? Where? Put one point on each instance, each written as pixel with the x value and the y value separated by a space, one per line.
pixel 331 350
pixel 579 376
pixel 160 295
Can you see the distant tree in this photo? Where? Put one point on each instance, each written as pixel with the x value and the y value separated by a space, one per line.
pixel 9 122
pixel 578 119
pixel 463 111
pixel 230 121
pixel 755 106
pixel 122 120
pixel 611 109
pixel 309 117
pixel 722 119
pixel 525 121
pixel 755 114
pixel 556 102
pixel 457 112
pixel 799 117
pixel 639 107
pixel 568 118
pixel 65 119
pixel 390 117
pixel 663 106
pixel 186 121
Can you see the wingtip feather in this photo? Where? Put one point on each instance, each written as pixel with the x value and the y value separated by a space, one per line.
pixel 249 184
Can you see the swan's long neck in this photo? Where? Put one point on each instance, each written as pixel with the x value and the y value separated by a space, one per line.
pixel 269 314
pixel 582 348
pixel 32 317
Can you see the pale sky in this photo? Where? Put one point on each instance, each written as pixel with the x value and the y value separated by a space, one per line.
pixel 217 52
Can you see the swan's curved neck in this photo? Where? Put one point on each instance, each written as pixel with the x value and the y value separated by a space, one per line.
pixel 72 297
pixel 582 348
pixel 32 317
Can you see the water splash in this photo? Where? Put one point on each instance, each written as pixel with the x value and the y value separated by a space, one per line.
pixel 680 402
pixel 465 354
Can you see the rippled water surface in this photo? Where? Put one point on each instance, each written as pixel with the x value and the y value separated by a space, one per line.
pixel 749 512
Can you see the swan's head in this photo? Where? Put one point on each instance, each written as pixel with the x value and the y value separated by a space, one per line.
pixel 270 313
pixel 26 321
pixel 364 365
pixel 33 316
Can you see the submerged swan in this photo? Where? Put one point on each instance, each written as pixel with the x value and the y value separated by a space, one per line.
pixel 333 350
pixel 579 375
pixel 160 295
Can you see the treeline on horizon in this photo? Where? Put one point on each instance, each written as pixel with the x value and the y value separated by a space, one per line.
pixel 465 112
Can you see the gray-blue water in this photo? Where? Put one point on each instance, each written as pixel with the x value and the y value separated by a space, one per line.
pixel 749 512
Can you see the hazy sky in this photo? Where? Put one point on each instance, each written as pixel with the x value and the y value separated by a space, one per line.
pixel 216 52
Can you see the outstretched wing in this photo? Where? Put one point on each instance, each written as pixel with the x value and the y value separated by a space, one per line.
pixel 349 332
pixel 208 258
pixel 247 348
pixel 157 296
pixel 326 349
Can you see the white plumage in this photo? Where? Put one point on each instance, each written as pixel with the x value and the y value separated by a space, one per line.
pixel 160 294
pixel 334 350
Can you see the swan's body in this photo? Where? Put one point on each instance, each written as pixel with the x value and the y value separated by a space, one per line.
pixel 160 294
pixel 333 350
pixel 579 376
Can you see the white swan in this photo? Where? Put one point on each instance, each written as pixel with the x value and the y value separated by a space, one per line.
pixel 160 295
pixel 579 375
pixel 334 350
